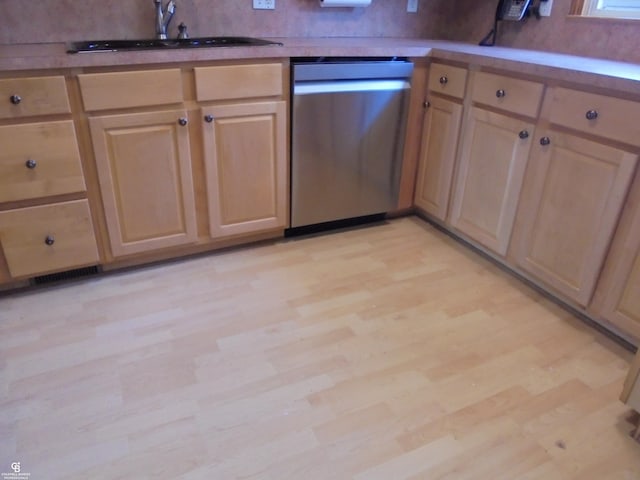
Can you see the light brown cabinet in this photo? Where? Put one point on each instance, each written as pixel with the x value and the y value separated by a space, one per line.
pixel 158 186
pixel 45 220
pixel 439 138
pixel 437 156
pixel 573 194
pixel 246 167
pixel 545 200
pixel 617 296
pixel 244 147
pixel 493 157
pixel 491 169
pixel 144 168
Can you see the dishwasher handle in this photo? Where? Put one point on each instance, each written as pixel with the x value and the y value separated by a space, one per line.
pixel 313 88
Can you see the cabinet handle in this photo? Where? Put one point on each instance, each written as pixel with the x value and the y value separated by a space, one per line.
pixel 208 118
pixel 183 121
pixel 50 240
pixel 444 80
pixel 523 134
pixel 15 99
pixel 426 104
pixel 501 93
pixel 31 164
pixel 545 141
pixel 591 115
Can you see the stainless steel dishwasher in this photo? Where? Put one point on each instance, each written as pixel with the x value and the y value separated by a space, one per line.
pixel 347 134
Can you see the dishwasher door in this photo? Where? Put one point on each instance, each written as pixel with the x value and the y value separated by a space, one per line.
pixel 347 147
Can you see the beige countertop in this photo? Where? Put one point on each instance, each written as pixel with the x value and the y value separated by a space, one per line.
pixel 596 72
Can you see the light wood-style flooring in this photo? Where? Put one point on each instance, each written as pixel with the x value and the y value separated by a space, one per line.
pixel 388 352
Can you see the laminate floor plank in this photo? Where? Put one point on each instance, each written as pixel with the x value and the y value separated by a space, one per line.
pixel 382 352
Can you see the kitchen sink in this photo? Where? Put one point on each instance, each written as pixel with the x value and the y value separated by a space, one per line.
pixel 156 44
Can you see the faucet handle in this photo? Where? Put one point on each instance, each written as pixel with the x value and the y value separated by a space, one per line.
pixel 182 31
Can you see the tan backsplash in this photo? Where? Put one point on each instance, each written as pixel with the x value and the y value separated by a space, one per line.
pixel 25 21
pixel 28 21
pixel 616 40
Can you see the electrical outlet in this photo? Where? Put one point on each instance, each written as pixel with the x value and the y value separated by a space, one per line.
pixel 545 8
pixel 412 6
pixel 264 4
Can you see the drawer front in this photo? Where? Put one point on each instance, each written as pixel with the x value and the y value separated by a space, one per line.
pixel 104 91
pixel 26 97
pixel 239 81
pixel 599 115
pixel 506 93
pixel 39 160
pixel 447 79
pixel 67 227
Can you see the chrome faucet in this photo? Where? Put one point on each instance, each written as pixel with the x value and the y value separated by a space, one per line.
pixel 163 17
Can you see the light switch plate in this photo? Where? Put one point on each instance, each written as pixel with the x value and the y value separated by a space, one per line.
pixel 545 8
pixel 264 4
pixel 412 6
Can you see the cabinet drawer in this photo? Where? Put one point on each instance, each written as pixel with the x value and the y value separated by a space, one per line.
pixel 599 115
pixel 26 97
pixel 24 233
pixel 103 91
pixel 39 160
pixel 447 79
pixel 506 93
pixel 238 81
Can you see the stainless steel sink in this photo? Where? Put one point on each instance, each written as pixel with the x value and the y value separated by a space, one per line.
pixel 156 44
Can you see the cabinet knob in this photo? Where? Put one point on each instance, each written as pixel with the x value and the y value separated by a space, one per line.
pixel 545 141
pixel 183 121
pixel 523 134
pixel 444 80
pixel 31 164
pixel 591 115
pixel 50 240
pixel 501 93
pixel 426 104
pixel 15 99
pixel 208 118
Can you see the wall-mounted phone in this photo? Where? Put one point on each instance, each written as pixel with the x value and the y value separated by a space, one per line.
pixel 511 10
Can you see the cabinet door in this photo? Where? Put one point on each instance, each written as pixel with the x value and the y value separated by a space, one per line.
pixel 246 167
pixel 617 296
pixel 437 156
pixel 492 165
pixel 144 169
pixel 570 205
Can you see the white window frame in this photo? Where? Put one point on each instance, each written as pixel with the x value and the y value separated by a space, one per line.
pixel 612 8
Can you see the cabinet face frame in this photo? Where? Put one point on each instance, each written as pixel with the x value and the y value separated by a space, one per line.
pixel 227 198
pixel 497 238
pixel 438 156
pixel 183 203
pixel 537 203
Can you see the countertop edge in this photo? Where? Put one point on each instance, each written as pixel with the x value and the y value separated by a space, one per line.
pixel 601 73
